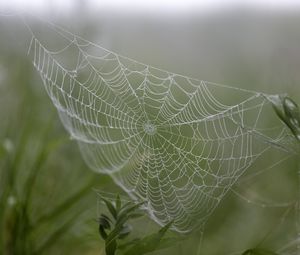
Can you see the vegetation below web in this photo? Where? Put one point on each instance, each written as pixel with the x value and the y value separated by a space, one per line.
pixel 121 229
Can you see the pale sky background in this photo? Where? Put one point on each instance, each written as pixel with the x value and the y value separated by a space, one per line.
pixel 151 5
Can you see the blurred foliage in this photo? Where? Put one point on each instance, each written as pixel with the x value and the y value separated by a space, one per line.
pixel 42 195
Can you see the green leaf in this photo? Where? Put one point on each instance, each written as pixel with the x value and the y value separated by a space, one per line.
pixel 102 232
pixel 125 231
pixel 291 109
pixel 288 111
pixel 149 243
pixel 104 221
pixel 110 207
pixel 292 113
pixel 125 211
pixel 136 215
pixel 257 251
pixel 276 101
pixel 118 203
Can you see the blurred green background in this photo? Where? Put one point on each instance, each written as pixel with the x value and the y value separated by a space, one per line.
pixel 48 200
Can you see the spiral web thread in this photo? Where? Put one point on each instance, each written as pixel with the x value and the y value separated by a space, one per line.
pixel 175 142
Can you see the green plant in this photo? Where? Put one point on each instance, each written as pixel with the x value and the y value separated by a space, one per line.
pixel 117 228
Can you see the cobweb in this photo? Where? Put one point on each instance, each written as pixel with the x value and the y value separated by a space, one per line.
pixel 176 142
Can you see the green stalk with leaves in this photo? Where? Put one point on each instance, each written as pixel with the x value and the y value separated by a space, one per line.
pixel 116 228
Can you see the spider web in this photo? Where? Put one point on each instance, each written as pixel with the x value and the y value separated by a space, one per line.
pixel 176 142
